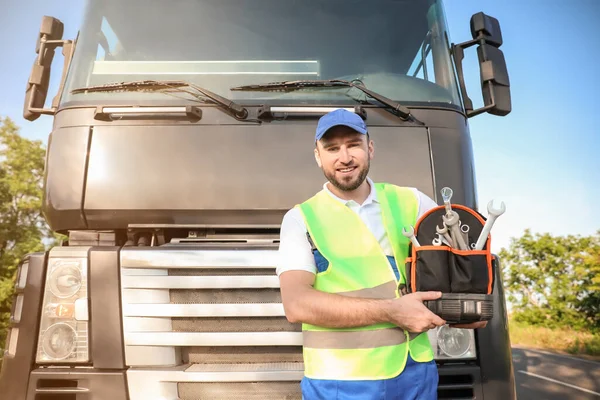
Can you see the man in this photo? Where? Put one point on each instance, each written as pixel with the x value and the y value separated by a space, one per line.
pixel 341 264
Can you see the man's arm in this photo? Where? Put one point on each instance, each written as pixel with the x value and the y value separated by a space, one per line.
pixel 303 303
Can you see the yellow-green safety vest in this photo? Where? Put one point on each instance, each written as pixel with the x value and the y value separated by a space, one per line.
pixel 358 267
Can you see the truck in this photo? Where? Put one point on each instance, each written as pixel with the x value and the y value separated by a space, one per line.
pixel 182 133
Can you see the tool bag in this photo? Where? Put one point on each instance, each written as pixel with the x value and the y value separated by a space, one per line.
pixel 465 277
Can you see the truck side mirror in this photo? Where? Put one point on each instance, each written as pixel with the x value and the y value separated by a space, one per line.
pixel 495 84
pixel 50 37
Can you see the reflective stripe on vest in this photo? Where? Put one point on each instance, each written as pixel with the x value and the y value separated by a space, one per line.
pixel 358 267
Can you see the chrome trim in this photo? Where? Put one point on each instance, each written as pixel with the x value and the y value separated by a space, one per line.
pixel 255 367
pixel 12 337
pixel 139 272
pixel 145 296
pixel 146 324
pixel 227 372
pixel 203 310
pixel 143 110
pixel 152 384
pixel 21 281
pixel 213 339
pixel 203 226
pixel 69 251
pixel 200 282
pixel 180 258
pixel 147 355
pixel 62 390
pixel 304 110
pixel 17 309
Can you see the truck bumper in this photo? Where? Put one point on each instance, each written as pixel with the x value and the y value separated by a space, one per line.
pixel 456 382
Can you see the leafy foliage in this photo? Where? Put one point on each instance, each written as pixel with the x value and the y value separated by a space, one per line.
pixel 554 281
pixel 22 226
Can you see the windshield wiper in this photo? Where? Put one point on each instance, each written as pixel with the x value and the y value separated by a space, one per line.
pixel 400 110
pixel 235 109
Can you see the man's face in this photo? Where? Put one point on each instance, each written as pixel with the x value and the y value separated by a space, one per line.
pixel 345 157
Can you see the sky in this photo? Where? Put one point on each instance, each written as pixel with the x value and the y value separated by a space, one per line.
pixel 542 160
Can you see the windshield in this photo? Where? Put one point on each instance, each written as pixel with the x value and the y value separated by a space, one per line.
pixel 398 48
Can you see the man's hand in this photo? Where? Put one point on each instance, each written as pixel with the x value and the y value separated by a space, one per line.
pixel 409 312
pixel 473 325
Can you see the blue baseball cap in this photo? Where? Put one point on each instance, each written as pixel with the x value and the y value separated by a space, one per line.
pixel 340 117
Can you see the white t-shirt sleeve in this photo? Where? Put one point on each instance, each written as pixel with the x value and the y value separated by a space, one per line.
pixel 294 249
pixel 426 203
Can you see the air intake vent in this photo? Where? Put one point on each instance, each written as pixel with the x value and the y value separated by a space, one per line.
pixel 456 387
pixel 58 389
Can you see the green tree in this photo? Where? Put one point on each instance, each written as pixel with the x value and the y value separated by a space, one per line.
pixel 554 280
pixel 22 226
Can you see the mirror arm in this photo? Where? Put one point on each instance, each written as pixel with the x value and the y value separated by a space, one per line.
pixel 36 75
pixel 481 110
pixel 458 53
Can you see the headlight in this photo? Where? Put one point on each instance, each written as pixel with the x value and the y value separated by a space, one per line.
pixel 59 341
pixel 64 321
pixel 452 343
pixel 65 280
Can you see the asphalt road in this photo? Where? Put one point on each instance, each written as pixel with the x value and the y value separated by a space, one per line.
pixel 541 375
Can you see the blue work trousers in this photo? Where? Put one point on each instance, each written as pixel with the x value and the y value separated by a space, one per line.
pixel 418 381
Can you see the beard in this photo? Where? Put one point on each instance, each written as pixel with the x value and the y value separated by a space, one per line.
pixel 348 185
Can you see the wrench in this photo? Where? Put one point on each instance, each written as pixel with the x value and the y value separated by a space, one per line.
pixel 493 213
pixel 464 228
pixel 446 196
pixel 438 241
pixel 444 232
pixel 453 221
pixel 411 235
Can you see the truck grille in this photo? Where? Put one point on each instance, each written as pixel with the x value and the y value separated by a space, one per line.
pixel 207 323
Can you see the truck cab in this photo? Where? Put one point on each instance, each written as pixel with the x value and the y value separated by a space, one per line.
pixel 172 160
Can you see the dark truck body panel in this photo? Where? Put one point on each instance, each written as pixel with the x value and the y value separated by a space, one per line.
pixel 103 175
pixel 14 376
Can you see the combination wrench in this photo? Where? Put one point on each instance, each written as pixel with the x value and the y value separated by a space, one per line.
pixel 493 213
pixel 452 222
pixel 446 196
pixel 410 233
pixel 444 232
pixel 438 241
pixel 464 228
